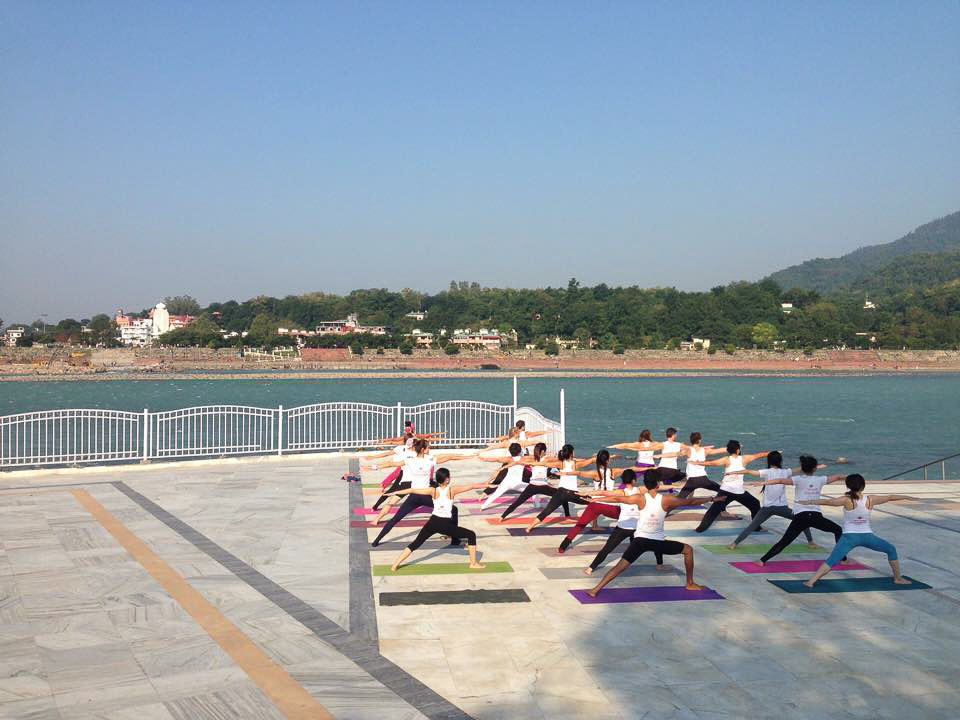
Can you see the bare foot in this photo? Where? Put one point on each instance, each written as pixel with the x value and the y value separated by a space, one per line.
pixel 732 546
pixel 394 568
pixel 846 561
pixel 592 592
pixel 901 581
pixel 761 563
pixel 694 586
pixel 808 583
pixel 663 566
pixel 588 571
pixel 812 545
pixel 477 566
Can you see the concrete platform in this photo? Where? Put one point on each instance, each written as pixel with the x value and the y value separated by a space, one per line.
pixel 238 590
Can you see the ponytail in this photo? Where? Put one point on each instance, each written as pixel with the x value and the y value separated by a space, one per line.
pixel 855 485
pixel 603 461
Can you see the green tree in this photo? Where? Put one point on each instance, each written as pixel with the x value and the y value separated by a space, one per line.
pixel 356 348
pixel 406 347
pixel 262 329
pixel 182 305
pixel 452 349
pixel 763 334
pixel 551 347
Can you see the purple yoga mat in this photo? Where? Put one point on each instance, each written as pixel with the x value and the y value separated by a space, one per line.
pixel 660 593
pixel 402 523
pixel 775 567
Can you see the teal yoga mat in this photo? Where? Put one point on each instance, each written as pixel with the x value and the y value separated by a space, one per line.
pixel 847 585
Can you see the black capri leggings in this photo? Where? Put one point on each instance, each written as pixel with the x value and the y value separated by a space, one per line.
pixel 442 526
pixel 397 484
pixel 617 536
pixel 564 497
pixel 662 547
pixel 697 483
pixel 800 522
pixel 528 492
pixel 713 512
pixel 409 503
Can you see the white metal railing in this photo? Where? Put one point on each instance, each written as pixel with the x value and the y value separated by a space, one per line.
pixel 536 422
pixel 462 422
pixel 68 437
pixel 338 425
pixel 60 437
pixel 211 430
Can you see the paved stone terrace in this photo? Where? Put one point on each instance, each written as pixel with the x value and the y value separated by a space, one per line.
pixel 238 589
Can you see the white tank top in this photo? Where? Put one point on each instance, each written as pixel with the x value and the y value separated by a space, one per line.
pixel 808 487
pixel 858 519
pixel 568 477
pixel 774 495
pixel 628 513
pixel 514 475
pixel 416 471
pixel 645 457
pixel 670 447
pixel 732 480
pixel 608 482
pixel 443 503
pixel 650 522
pixel 538 475
pixel 696 455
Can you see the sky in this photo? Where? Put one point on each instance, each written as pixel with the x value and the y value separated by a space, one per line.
pixel 227 150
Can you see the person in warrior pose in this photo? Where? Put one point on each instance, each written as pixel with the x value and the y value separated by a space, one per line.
pixel 442 520
pixel 512 476
pixel 538 485
pixel 773 498
pixel 566 491
pixel 806 486
pixel 626 520
pixel 605 480
pixel 417 470
pixel 731 489
pixel 856 527
pixel 645 447
pixel 649 536
pixel 696 454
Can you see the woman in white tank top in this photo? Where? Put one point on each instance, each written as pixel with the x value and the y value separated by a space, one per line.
pixel 566 491
pixel 442 521
pixel 856 527
pixel 539 485
pixel 645 447
pixel 731 489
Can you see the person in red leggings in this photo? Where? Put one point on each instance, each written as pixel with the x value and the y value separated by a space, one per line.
pixel 604 480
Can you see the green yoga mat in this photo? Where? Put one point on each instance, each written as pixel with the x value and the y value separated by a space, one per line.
pixel 761 549
pixel 845 585
pixel 371 485
pixel 442 569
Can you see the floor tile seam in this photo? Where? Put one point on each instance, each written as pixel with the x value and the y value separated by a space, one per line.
pixel 357 650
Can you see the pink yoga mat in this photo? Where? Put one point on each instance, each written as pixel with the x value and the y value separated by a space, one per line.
pixel 775 567
pixel 369 511
pixel 402 523
pixel 645 594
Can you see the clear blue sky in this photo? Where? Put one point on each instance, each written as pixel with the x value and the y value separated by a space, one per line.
pixel 226 150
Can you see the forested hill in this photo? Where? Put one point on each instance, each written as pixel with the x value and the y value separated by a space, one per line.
pixel 829 274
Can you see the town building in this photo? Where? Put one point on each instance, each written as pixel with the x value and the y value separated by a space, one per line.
pixel 421 338
pixel 787 308
pixel 350 325
pixel 137 333
pixel 164 322
pixel 13 334
pixel 418 315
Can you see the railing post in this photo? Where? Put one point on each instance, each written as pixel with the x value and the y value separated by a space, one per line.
pixel 146 435
pixel 280 431
pixel 514 398
pixel 563 419
pixel 399 419
pixel 925 472
pixel 943 469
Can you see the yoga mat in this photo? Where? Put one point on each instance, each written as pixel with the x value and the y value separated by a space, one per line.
pixel 576 573
pixel 370 485
pixel 845 585
pixel 541 531
pixel 775 567
pixel 645 594
pixel 441 569
pixel 759 550
pixel 453 597
pixel 402 523
pixel 526 521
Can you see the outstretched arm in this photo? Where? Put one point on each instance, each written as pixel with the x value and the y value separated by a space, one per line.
pixel 833 502
pixel 781 481
pixel 881 499
pixel 411 491
pixel 454 491
pixel 722 462
pixel 670 501
pixel 836 478
pixel 627 446
pixel 380 466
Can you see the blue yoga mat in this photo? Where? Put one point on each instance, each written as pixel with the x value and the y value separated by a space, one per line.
pixel 846 585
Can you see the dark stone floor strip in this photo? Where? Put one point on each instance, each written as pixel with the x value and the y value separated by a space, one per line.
pixel 357 649
pixel 918 520
pixel 363 613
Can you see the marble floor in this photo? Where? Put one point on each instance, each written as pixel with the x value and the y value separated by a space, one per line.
pixel 239 589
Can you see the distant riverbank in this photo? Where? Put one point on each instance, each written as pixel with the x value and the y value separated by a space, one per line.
pixel 32 364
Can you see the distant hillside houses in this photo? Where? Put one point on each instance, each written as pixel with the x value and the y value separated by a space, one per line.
pixel 13 334
pixel 139 332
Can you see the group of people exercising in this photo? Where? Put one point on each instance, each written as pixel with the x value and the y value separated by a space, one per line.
pixel 638 498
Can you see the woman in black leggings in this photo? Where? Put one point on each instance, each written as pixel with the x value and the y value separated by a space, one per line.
pixel 537 483
pixel 806 486
pixel 442 521
pixel 569 483
pixel 731 489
